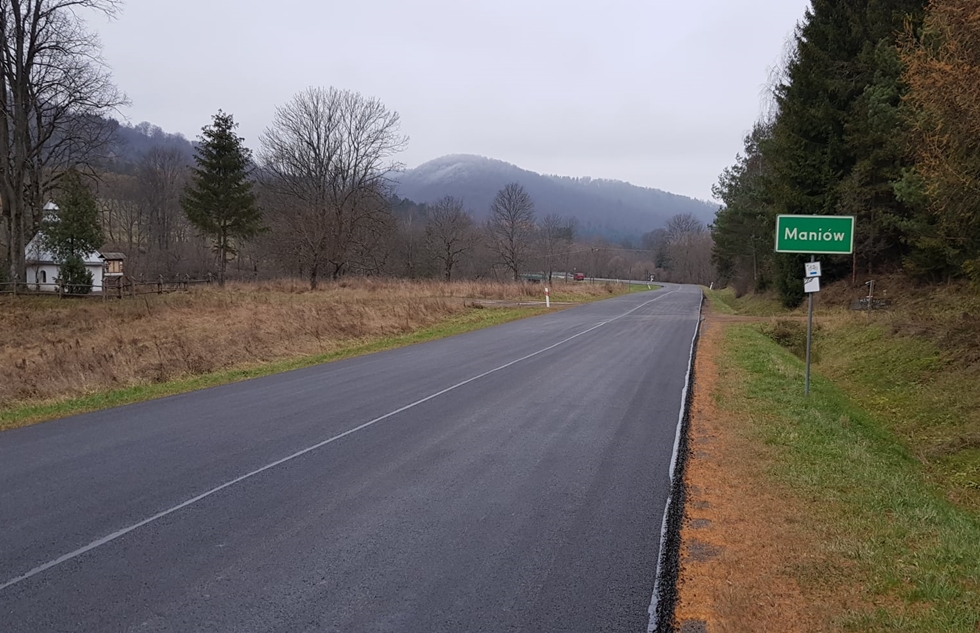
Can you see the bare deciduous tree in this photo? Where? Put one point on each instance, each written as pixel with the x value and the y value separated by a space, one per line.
pixel 557 235
pixel 683 224
pixel 511 227
pixel 449 233
pixel 161 176
pixel 689 250
pixel 657 242
pixel 55 92
pixel 326 158
pixel 411 238
pixel 123 221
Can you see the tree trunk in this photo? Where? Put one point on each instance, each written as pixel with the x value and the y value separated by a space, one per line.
pixel 6 233
pixel 18 242
pixel 314 280
pixel 223 254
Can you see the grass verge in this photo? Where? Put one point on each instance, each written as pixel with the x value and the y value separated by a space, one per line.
pixel 916 390
pixel 561 293
pixel 473 320
pixel 892 552
pixel 914 368
pixel 725 302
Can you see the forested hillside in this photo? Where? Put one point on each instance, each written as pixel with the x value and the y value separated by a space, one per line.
pixel 875 115
pixel 605 228
pixel 312 196
pixel 610 208
pixel 131 142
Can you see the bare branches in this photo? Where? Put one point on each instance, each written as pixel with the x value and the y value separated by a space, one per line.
pixel 689 248
pixel 557 235
pixel 449 233
pixel 325 159
pixel 56 92
pixel 511 226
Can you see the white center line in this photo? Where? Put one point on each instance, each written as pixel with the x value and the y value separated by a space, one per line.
pixel 204 495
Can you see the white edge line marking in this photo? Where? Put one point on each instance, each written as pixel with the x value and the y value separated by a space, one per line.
pixel 652 625
pixel 204 495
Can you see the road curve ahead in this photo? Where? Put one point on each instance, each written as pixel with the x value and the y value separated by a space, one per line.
pixel 510 479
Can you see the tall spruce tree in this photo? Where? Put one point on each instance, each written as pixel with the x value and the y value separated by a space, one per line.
pixel 743 227
pixel 219 200
pixel 836 142
pixel 73 232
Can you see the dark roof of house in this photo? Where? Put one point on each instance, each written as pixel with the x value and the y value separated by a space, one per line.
pixel 112 255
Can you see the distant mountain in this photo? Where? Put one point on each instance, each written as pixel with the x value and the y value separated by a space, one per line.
pixel 610 208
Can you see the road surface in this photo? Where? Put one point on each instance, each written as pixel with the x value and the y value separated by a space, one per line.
pixel 509 479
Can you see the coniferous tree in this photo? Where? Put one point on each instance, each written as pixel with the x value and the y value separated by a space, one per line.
pixel 876 132
pixel 73 232
pixel 836 143
pixel 219 200
pixel 744 225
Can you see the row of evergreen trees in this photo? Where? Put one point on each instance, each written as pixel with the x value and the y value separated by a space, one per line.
pixel 876 114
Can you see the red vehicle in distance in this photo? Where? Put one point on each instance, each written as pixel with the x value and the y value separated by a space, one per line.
pixel 579 276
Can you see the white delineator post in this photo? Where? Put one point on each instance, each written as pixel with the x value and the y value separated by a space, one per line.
pixel 547 298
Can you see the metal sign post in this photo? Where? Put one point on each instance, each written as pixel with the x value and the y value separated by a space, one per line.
pixel 871 297
pixel 814 235
pixel 811 286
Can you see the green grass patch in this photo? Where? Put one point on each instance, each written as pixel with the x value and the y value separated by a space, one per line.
pixel 883 525
pixel 913 369
pixel 635 288
pixel 725 302
pixel 469 321
pixel 915 390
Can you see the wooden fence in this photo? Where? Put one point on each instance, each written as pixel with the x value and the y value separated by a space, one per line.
pixel 112 288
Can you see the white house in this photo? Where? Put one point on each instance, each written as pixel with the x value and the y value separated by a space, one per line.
pixel 42 270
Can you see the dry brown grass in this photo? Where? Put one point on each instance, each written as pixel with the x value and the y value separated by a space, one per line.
pixel 804 521
pixel 744 539
pixel 53 349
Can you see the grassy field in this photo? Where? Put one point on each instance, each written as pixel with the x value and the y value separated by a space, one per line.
pixel 878 468
pixel 59 357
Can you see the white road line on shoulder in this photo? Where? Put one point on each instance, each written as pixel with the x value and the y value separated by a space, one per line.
pixel 652 624
pixel 204 495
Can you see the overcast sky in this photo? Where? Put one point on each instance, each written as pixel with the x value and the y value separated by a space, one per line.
pixel 656 92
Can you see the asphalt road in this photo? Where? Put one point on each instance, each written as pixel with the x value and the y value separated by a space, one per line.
pixel 510 479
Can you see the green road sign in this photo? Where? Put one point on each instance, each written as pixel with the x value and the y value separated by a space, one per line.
pixel 815 234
